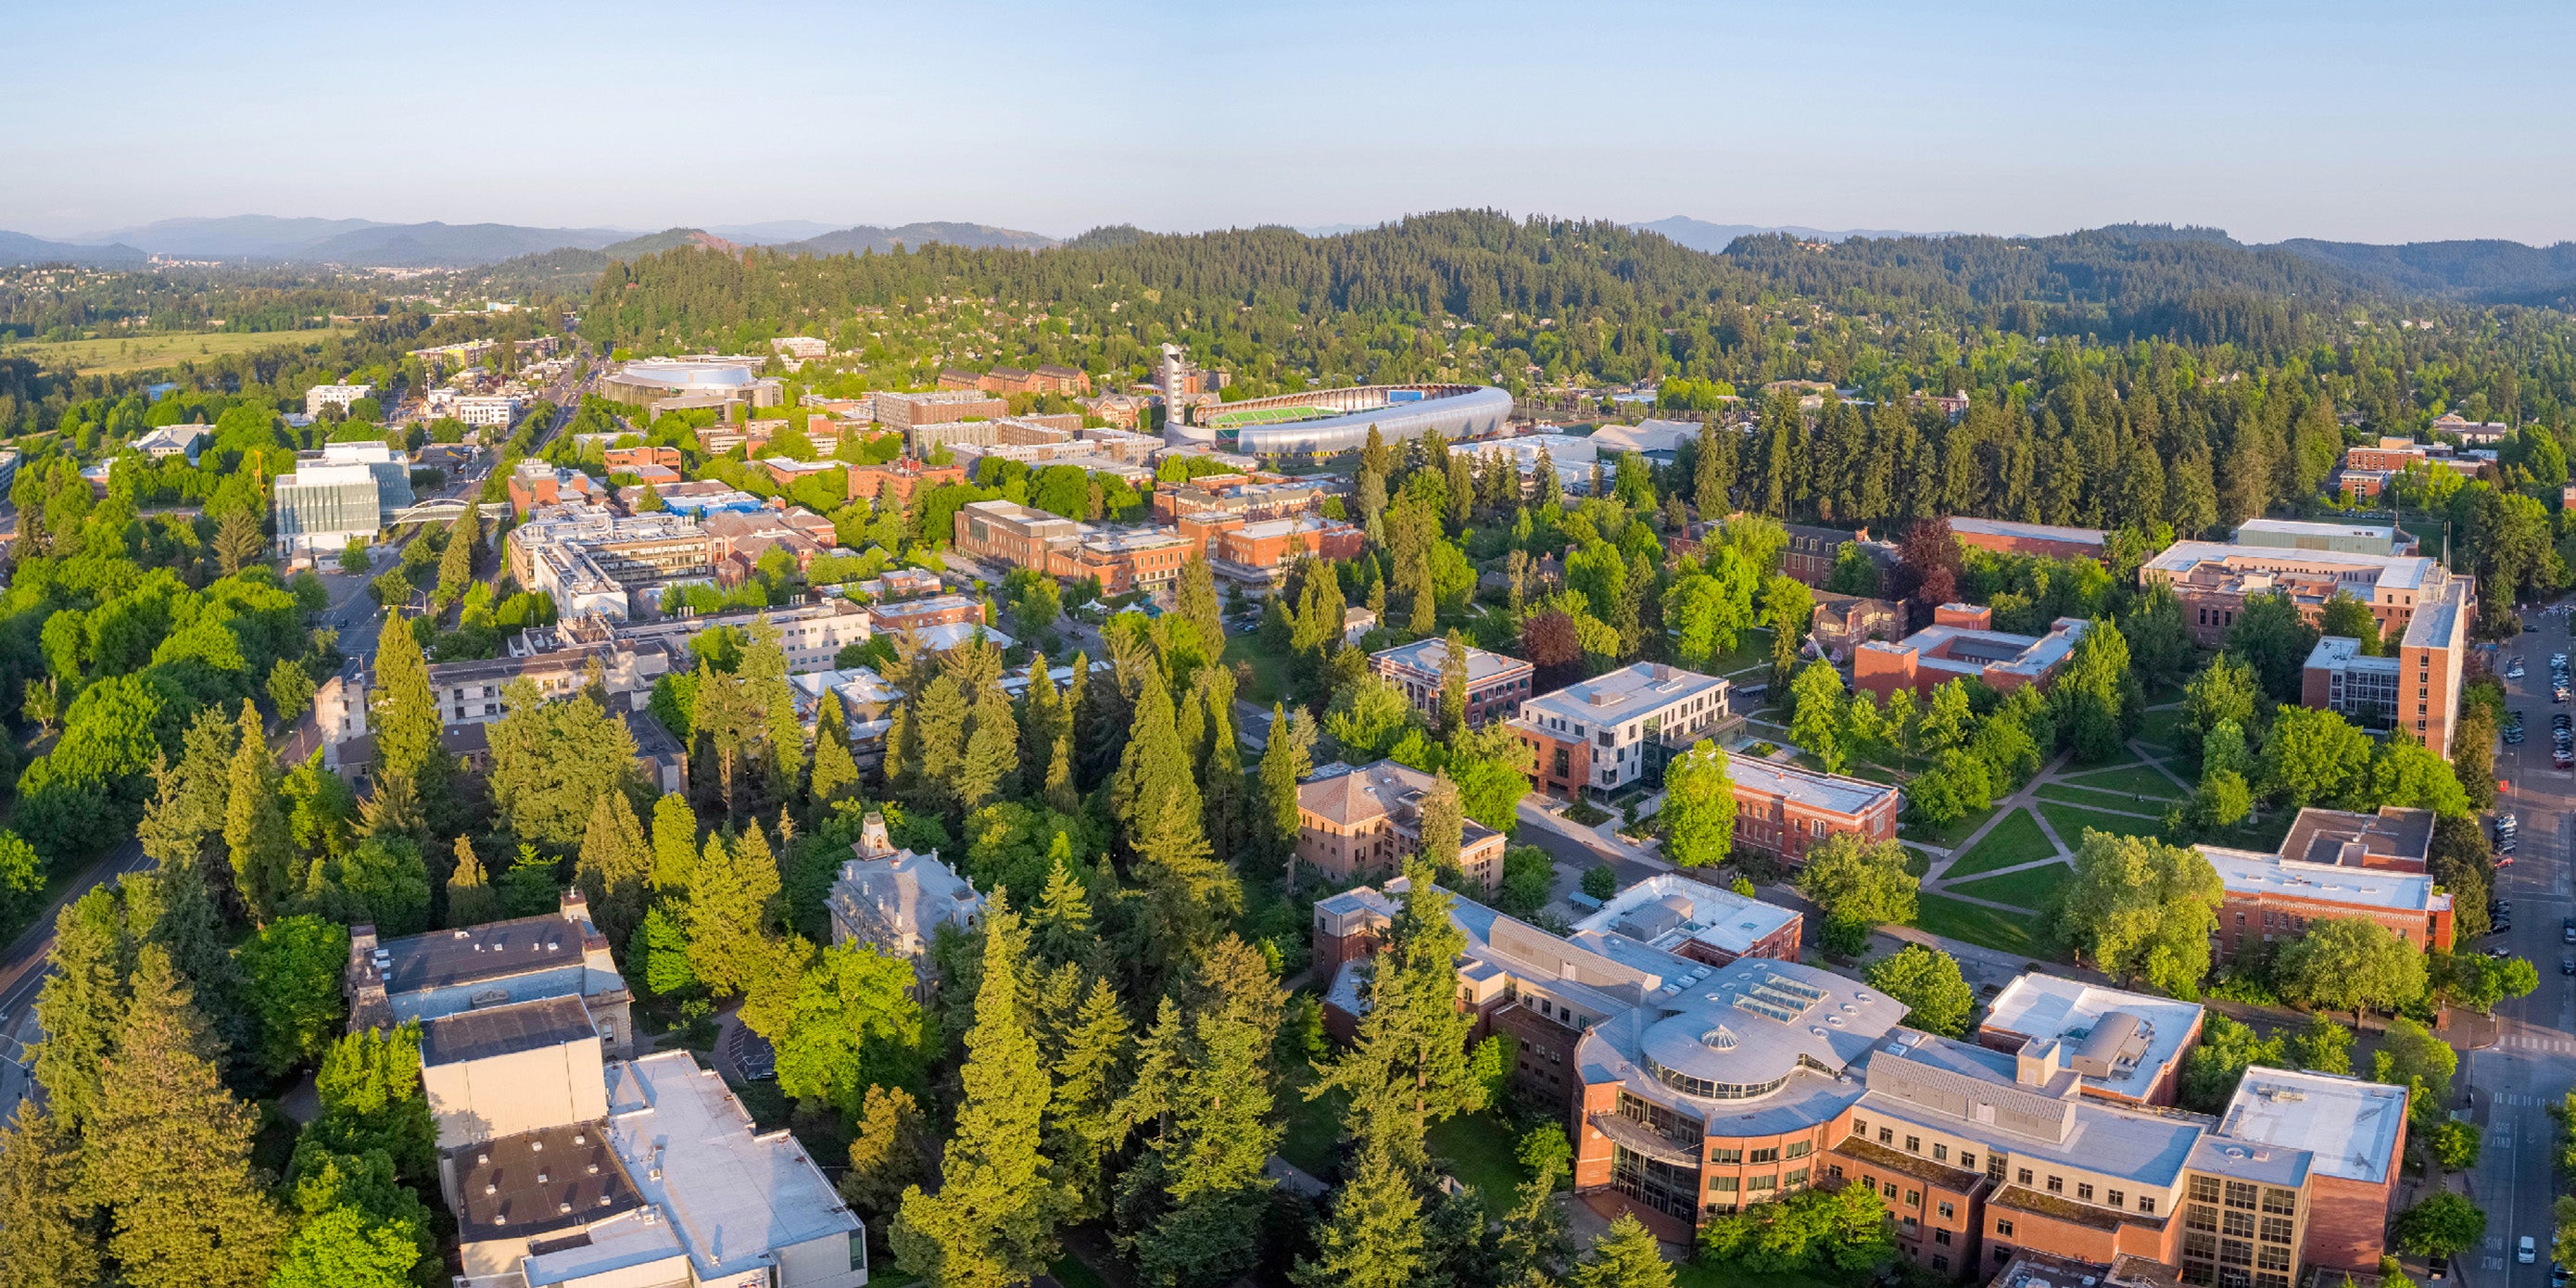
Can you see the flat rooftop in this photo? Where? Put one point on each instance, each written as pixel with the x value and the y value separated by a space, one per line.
pixel 1666 910
pixel 1625 694
pixel 2027 531
pixel 2046 1008
pixel 2340 838
pixel 489 1031
pixel 1430 655
pixel 1967 650
pixel 2347 1126
pixel 2344 651
pixel 734 1195
pixel 1806 786
pixel 493 950
pixel 2249 873
pixel 2393 570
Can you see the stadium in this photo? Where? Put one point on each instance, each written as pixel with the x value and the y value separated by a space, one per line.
pixel 1337 420
pixel 666 383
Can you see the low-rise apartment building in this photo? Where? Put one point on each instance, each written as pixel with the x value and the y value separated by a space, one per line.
pixel 488 411
pixel 535 483
pixel 1962 644
pixel 322 398
pixel 2213 580
pixel 1369 820
pixel 1611 731
pixel 1783 809
pixel 906 411
pixel 1496 684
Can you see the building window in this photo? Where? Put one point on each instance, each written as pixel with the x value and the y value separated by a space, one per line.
pixel 2199 1216
pixel 2022 1177
pixel 2147 1204
pixel 2084 1193
pixel 1721 1185
pixel 1914 1198
pixel 1886 1136
pixel 1797 1176
pixel 2204 1189
pixel 2057 1185
pixel 2117 1198
pixel 1969 1161
pixel 2239 1224
pixel 2276 1229
pixel 2240 1194
pixel 2280 1202
pixel 1768 1155
pixel 1762 1183
pixel 2003 1228
pixel 1726 1156
pixel 1940 1236
pixel 1940 1153
pixel 1947 1212
pixel 1913 1144
pixel 1797 1149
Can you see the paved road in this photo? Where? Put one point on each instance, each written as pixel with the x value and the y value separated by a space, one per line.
pixel 22 973
pixel 2533 1063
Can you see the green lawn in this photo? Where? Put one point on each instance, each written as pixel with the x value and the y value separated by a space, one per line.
pixel 1314 1127
pixel 2142 780
pixel 1267 671
pixel 2120 801
pixel 2017 839
pixel 1917 862
pixel 1481 1151
pixel 2070 822
pixel 1694 1274
pixel 1947 838
pixel 2030 888
pixel 2162 728
pixel 1989 927
pixel 1752 648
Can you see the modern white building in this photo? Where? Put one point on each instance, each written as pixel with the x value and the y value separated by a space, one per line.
pixel 487 410
pixel 319 397
pixel 322 506
pixel 1616 729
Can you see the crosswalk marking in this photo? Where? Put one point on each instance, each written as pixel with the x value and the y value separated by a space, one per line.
pixel 2531 1042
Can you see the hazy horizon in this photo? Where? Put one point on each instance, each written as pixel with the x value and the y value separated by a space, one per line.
pixel 2357 122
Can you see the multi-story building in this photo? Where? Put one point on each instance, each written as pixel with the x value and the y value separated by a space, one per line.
pixel 1270 546
pixel 623 459
pixel 593 561
pixel 2340 678
pixel 696 500
pixel 1250 497
pixel 489 411
pixel 802 531
pixel 810 634
pixel 1369 820
pixel 2047 541
pixel 1010 532
pixel 451 972
pixel 2416 686
pixel 2341 538
pixel 2213 580
pixel 173 440
pixel 895 901
pixel 1845 622
pixel 902 477
pixel 1786 810
pixel 535 483
pixel 1613 730
pixel 2124 1047
pixel 323 506
pixel 2472 433
pixel 2273 898
pixel 785 472
pixel 1135 559
pixel 803 348
pixel 907 411
pixel 1809 556
pixel 1962 644
pixel 321 398
pixel 1496 684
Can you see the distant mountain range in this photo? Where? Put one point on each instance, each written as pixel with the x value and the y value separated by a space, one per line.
pixel 363 243
pixel 19 248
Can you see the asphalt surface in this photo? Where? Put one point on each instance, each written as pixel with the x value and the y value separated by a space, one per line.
pixel 2533 1063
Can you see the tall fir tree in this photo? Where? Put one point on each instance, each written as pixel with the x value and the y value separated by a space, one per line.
pixel 1624 1256
pixel 1060 924
pixel 471 900
pixel 615 867
pixel 81 1007
pixel 836 771
pixel 993 1221
pixel 731 909
pixel 169 1154
pixel 403 713
pixel 1286 759
pixel 1443 824
pixel 1453 685
pixel 456 562
pixel 1224 794
pixel 1214 1094
pixel 1374 1238
pixel 1409 1068
pixel 939 720
pixel 988 765
pixel 764 679
pixel 1188 894
pixel 1081 1131
pixel 173 908
pixel 45 1238
pixel 255 827
pixel 675 844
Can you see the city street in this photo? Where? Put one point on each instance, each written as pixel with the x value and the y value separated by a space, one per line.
pixel 2533 1064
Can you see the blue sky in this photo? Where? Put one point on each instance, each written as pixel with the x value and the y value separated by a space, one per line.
pixel 2353 120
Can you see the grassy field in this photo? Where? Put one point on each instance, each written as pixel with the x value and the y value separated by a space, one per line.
pixel 1947 838
pixel 1314 1126
pixel 1990 927
pixel 1692 1274
pixel 2030 888
pixel 113 354
pixel 2120 801
pixel 1482 1152
pixel 1265 416
pixel 2140 780
pixel 2159 727
pixel 2017 839
pixel 1268 673
pixel 2070 822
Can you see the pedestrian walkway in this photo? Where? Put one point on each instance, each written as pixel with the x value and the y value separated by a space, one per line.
pixel 2129 796
pixel 2538 1040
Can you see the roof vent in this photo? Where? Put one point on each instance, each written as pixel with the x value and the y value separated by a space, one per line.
pixel 594 1169
pixel 2234 1151
pixel 490 1188
pixel 463 934
pixel 563 1207
pixel 603 1200
pixel 536 1146
pixel 482 1160
pixel 579 1138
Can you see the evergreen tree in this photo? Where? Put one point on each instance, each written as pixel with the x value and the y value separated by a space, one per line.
pixel 254 827
pixel 675 844
pixel 731 905
pixel 1287 758
pixel 1081 1129
pixel 173 908
pixel 939 729
pixel 615 867
pixel 1197 612
pixel 403 714
pixel 1224 794
pixel 1625 1256
pixel 1061 931
pixel 1443 826
pixel 1212 1088
pixel 1409 1067
pixel 81 1007
pixel 456 563
pixel 1453 685
pixel 471 901
pixel 988 766
pixel 45 1239
pixel 764 681
pixel 888 1153
pixel 836 771
pixel 993 1221
pixel 169 1154
pixel 1188 893
pixel 1375 1236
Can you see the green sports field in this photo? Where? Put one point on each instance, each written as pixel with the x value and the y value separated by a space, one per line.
pixel 1267 416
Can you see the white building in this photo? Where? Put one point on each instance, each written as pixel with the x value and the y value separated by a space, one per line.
pixel 800 347
pixel 172 440
pixel 320 397
pixel 1628 723
pixel 491 410
pixel 322 506
pixel 897 900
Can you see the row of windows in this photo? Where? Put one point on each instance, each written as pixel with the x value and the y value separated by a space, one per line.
pixel 1768 1154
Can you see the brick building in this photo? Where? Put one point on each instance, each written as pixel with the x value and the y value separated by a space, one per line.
pixel 2046 541
pixel 2273 898
pixel 1962 644
pixel 1613 730
pixel 1369 820
pixel 1845 622
pixel 628 459
pixel 905 411
pixel 1496 684
pixel 903 476
pixel 2415 687
pixel 2213 579
pixel 1272 544
pixel 536 483
pixel 1786 810
pixel 2125 1047
pixel 1010 532
pixel 1250 497
pixel 1809 556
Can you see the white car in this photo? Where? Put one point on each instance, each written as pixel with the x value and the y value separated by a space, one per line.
pixel 2526 1252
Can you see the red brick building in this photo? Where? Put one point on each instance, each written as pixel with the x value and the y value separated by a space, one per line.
pixel 1496 684
pixel 1273 543
pixel 1961 644
pixel 903 476
pixel 1369 821
pixel 1786 810
pixel 2341 869
pixel 2047 541
pixel 622 460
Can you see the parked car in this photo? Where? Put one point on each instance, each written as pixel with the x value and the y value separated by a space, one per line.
pixel 2526 1251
